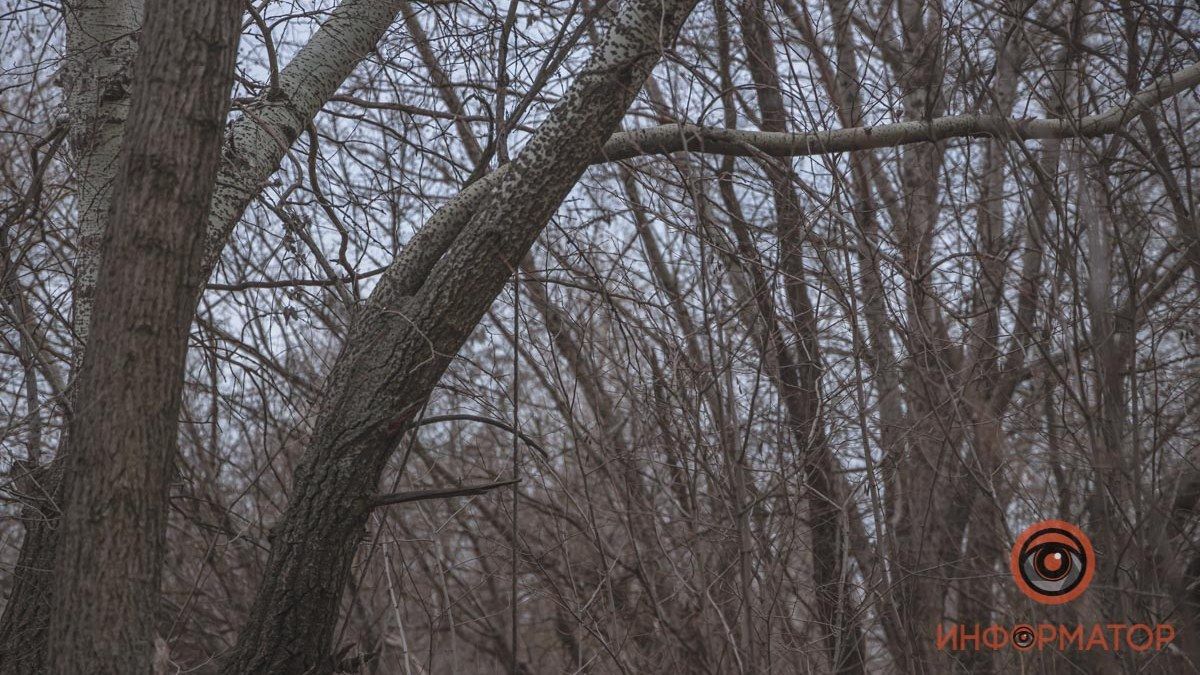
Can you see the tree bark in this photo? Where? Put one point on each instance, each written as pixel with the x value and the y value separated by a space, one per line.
pixel 101 42
pixel 253 148
pixel 401 344
pixel 124 432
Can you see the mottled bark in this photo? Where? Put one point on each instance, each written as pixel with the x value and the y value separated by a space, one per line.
pixel 101 41
pixel 261 135
pixel 257 142
pixel 123 434
pixel 401 344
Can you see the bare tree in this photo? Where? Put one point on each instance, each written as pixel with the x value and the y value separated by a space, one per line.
pixel 587 336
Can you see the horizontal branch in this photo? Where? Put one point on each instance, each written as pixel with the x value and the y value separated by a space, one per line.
pixel 289 283
pixel 679 137
pixel 463 417
pixel 443 493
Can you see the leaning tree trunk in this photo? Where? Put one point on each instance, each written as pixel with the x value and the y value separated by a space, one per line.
pixel 406 336
pixel 123 431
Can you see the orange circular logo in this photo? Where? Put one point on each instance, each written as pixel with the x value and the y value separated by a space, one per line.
pixel 1053 562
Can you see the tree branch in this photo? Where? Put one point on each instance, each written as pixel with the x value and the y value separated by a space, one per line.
pixel 680 137
pixel 463 417
pixel 440 493
pixel 257 142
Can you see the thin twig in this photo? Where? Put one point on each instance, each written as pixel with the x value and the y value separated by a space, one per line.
pixel 438 493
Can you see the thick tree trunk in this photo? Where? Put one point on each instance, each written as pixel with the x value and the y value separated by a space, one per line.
pixel 101 43
pixel 405 337
pixel 98 90
pixel 124 429
pixel 253 149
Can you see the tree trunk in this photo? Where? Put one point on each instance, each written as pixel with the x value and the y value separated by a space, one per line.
pixel 401 344
pixel 800 388
pixel 124 429
pixel 101 42
pixel 252 152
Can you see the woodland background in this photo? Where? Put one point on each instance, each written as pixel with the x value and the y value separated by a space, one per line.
pixel 789 406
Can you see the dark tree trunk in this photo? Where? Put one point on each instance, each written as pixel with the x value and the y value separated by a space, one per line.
pixel 101 37
pixel 123 434
pixel 23 629
pixel 406 335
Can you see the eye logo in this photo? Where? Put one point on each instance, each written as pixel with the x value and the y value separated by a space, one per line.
pixel 1023 637
pixel 1053 562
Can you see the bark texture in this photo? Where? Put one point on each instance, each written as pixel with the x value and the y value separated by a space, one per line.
pixel 124 431
pixel 404 339
pixel 941 380
pixel 258 140
pixel 101 44
pixel 102 39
